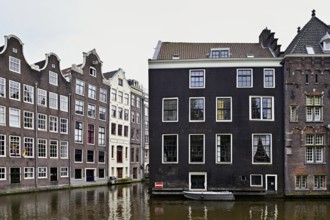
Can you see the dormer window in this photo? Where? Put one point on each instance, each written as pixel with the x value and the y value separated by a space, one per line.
pixel 175 57
pixel 310 50
pixel 325 42
pixel 92 71
pixel 219 53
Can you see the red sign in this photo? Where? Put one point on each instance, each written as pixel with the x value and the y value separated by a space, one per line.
pixel 159 185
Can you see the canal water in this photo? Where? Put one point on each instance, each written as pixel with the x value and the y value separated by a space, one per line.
pixel 133 202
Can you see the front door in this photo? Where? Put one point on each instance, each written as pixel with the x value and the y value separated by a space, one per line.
pixel 15 175
pixel 271 183
pixel 90 175
pixel 53 174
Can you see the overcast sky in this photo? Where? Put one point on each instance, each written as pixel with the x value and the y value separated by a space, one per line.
pixel 125 33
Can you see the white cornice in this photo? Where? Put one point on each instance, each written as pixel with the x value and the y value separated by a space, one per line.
pixel 213 63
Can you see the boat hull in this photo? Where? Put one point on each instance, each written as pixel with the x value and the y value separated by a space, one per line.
pixel 227 196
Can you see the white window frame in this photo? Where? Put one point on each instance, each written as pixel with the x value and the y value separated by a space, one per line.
pixel 64 149
pixel 43 142
pixel 53 100
pixel 261 108
pixel 18 139
pixel 219 152
pixel 30 141
pixel 3 115
pixel 64 125
pixel 27 122
pixel 189 159
pixel 103 95
pixel 91 110
pixel 198 173
pixel 80 87
pixel 262 181
pixel 64 103
pixel 14 87
pixel 28 171
pixel 177 109
pixel 42 96
pixel 300 182
pixel 3 145
pixel 2 87
pixel 4 173
pixel 53 78
pixel 265 71
pixel 82 156
pixel 220 55
pixel 270 151
pixel 251 76
pixel 102 111
pixel 14 123
pixel 42 171
pixel 79 105
pixel 204 110
pixel 231 109
pixel 80 134
pixel 64 171
pixel 28 90
pixel 92 71
pixel 92 91
pixel 101 136
pixel 87 156
pixel 317 180
pixel 53 152
pixel 177 149
pixel 14 64
pixel 190 77
pixel 54 120
pixel 44 119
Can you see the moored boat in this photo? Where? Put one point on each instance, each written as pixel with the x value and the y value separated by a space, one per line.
pixel 209 195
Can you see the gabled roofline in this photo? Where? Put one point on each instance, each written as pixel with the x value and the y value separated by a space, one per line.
pixel 47 55
pixel 85 55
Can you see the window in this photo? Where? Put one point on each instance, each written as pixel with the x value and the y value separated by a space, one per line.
pixel 120 130
pixel 28 94
pixel 42 97
pixel 91 112
pixel 119 154
pixel 170 148
pixel 138 102
pixel 120 82
pixel 2 87
pixel 262 149
pixel 310 49
pixel 64 172
pixel 138 134
pixel 53 100
pixel 3 173
pixel 269 78
pixel 92 71
pixel 314 108
pixel 256 180
pixel 78 132
pixel 224 106
pixel 28 172
pixel 102 113
pixel 14 64
pixel 219 53
pixel 14 90
pixel 42 122
pixel 3 115
pixel 224 148
pixel 132 117
pixel 301 182
pixel 320 182
pixel 113 95
pixel 125 131
pixel 78 155
pixel 91 91
pixel 90 134
pixel 14 117
pixel 15 146
pixel 315 145
pixel 261 108
pixel 42 172
pixel 132 133
pixel 198 181
pixel 293 113
pixel 196 113
pixel 113 128
pixel 64 125
pixel 138 118
pixel 90 156
pixel 244 78
pixel 120 113
pixel 53 123
pixel 2 145
pixel 79 107
pixel 28 147
pixel 101 136
pixel 196 148
pixel 103 95
pixel 126 114
pixel 80 87
pixel 53 78
pixel 196 79
pixel 113 111
pixel 53 149
pixel 64 150
pixel 42 148
pixel 126 99
pixel 133 100
pixel 120 96
pixel 77 173
pixel 101 157
pixel 28 120
pixel 64 103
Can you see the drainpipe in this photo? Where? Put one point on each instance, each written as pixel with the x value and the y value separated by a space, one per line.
pixel 69 136
pixel 36 135
pixel 142 137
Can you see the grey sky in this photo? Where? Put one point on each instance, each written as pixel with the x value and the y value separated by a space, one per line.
pixel 125 33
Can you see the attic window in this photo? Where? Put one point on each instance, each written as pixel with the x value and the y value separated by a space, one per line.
pixel 325 42
pixel 310 50
pixel 92 71
pixel 219 53
pixel 175 56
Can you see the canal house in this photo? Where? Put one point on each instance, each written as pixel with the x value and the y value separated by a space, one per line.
pixel 216 117
pixel 307 110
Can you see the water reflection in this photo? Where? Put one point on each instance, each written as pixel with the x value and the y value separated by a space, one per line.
pixel 133 202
